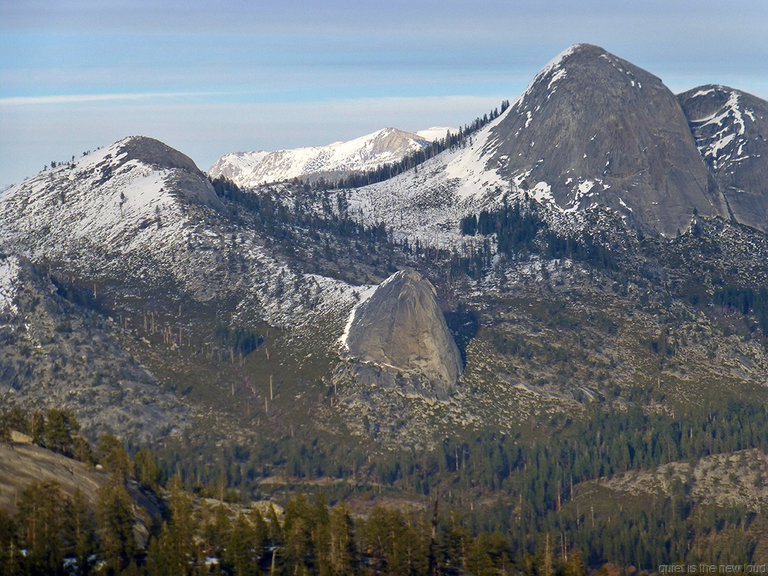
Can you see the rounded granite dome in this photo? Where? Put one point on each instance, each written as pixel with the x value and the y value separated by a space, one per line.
pixel 401 326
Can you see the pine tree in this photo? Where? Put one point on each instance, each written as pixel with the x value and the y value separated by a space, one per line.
pixel 58 429
pixel 241 552
pixel 114 516
pixel 40 519
pixel 180 530
pixel 10 557
pixel 342 550
pixel 113 457
pixel 217 531
pixel 79 530
pixel 299 550
pixel 147 471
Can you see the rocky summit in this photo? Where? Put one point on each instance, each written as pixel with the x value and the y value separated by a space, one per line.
pixel 401 329
pixel 593 129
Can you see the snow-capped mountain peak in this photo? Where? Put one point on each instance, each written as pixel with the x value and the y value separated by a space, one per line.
pixel 135 191
pixel 335 160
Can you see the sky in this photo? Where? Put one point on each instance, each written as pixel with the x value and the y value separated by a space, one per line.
pixel 213 77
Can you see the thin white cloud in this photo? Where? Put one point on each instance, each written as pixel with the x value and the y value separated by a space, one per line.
pixel 86 98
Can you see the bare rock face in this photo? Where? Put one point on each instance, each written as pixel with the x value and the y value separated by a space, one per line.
pixel 730 128
pixel 595 130
pixel 400 337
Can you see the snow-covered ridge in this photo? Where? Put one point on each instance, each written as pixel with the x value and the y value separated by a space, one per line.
pixel 386 146
pixel 102 196
pixel 112 216
pixel 426 203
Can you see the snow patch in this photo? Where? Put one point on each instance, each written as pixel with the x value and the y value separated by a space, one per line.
pixel 435 133
pixel 365 294
pixel 714 148
pixel 560 73
pixel 9 272
pixel 542 193
pixel 703 93
pixel 624 204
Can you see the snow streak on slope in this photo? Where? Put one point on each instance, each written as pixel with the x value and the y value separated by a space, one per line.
pixel 9 271
pixel 721 136
pixel 248 169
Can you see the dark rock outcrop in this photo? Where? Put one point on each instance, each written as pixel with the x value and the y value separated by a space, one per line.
pixel 601 131
pixel 400 336
pixel 731 132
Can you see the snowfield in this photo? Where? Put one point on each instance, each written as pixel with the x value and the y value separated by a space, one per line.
pixel 386 146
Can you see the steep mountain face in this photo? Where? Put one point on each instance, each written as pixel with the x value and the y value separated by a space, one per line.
pixel 139 274
pixel 400 327
pixel 593 129
pixel 55 352
pixel 731 132
pixel 334 161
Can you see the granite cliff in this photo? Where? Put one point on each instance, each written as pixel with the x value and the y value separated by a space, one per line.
pixel 401 330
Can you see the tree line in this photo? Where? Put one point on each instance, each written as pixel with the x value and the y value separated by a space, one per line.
pixel 536 523
pixel 415 158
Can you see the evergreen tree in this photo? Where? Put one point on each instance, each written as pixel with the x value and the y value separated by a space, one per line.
pixel 41 519
pixel 217 531
pixel 114 516
pixel 113 457
pixel 147 471
pixel 178 538
pixel 343 554
pixel 299 550
pixel 10 557
pixel 242 552
pixel 37 428
pixel 79 531
pixel 58 429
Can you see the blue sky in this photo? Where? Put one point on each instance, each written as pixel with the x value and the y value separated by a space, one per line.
pixel 222 76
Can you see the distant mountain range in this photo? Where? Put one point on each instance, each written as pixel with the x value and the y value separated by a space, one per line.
pixel 332 162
